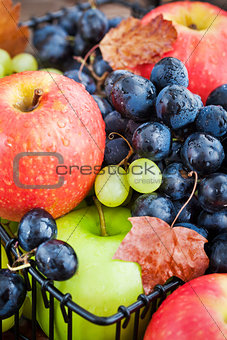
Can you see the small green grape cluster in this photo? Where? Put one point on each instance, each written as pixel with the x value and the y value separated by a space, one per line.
pixel 20 63
pixel 112 184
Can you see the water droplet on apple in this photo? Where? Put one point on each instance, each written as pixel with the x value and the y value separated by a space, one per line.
pixel 9 142
pixel 61 124
pixel 65 141
pixel 7 181
pixel 213 59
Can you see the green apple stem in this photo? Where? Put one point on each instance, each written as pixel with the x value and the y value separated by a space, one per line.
pixel 36 99
pixel 190 174
pixel 101 217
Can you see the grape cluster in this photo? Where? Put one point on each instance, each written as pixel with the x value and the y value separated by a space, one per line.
pixel 54 258
pixel 171 133
pixel 74 35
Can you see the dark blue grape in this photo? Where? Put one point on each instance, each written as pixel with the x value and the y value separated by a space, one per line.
pixel 93 25
pixel 169 71
pixel 152 140
pixel 191 226
pixel 130 129
pixel 202 153
pixel 111 79
pixel 115 151
pixel 53 46
pixel 218 97
pixel 114 22
pixel 175 182
pixel 174 155
pixel 36 227
pixel 198 101
pixel 134 97
pixel 190 212
pixel 81 47
pixel 101 66
pixel 154 205
pixel 217 253
pixel 87 80
pixel 212 192
pixel 103 104
pixel 69 21
pixel 176 106
pixel 115 123
pixel 215 223
pixel 213 120
pixel 41 34
pixel 56 260
pixel 12 293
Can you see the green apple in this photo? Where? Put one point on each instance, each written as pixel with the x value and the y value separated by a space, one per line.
pixel 6 62
pixel 6 323
pixel 101 284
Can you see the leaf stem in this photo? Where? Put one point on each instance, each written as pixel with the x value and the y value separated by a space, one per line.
pixel 101 217
pixel 190 174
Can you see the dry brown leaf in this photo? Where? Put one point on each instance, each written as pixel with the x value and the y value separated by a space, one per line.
pixel 12 38
pixel 132 43
pixel 162 251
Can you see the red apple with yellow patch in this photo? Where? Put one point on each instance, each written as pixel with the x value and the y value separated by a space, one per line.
pixel 201 43
pixel 51 143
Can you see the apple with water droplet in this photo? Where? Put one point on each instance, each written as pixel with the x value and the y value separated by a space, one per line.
pixel 201 43
pixel 52 140
pixel 197 310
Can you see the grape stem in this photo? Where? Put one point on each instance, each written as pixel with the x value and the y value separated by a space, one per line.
pixel 130 153
pixel 190 174
pixel 22 259
pixel 101 217
pixel 85 60
pixel 36 99
pixel 99 80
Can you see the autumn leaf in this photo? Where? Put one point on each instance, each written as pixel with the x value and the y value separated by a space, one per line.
pixel 12 38
pixel 132 43
pixel 162 251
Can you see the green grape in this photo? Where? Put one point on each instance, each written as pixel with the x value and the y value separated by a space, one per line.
pixel 51 70
pixel 2 71
pixel 111 186
pixel 6 62
pixel 24 62
pixel 144 176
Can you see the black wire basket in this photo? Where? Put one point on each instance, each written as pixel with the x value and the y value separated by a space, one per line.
pixel 134 314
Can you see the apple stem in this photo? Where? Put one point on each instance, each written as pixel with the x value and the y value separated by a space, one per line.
pixel 101 217
pixel 130 153
pixel 190 174
pixel 36 99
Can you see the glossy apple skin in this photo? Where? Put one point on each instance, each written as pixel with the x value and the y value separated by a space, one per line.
pixel 67 121
pixel 7 323
pixel 204 53
pixel 101 284
pixel 197 310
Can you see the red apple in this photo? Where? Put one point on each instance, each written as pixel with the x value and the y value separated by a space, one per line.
pixel 197 310
pixel 201 43
pixel 65 122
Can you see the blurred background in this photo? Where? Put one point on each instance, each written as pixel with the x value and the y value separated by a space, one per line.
pixel 40 7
